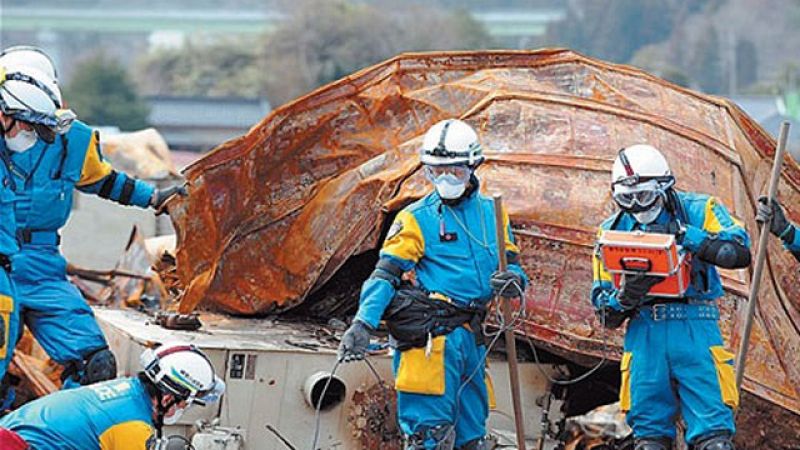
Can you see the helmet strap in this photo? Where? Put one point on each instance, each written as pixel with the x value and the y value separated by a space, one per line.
pixel 6 130
pixel 160 411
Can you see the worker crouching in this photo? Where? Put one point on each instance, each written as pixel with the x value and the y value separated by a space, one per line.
pixel 448 239
pixel 121 414
pixel 675 361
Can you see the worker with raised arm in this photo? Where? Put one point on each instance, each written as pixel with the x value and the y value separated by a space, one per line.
pixel 49 154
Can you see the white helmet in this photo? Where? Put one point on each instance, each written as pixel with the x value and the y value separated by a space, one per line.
pixel 640 179
pixel 451 142
pixel 31 96
pixel 183 371
pixel 29 56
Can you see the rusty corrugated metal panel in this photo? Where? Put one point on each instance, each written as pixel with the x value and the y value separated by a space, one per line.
pixel 274 214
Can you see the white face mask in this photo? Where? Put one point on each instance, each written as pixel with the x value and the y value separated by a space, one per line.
pixel 23 140
pixel 174 415
pixel 649 216
pixel 449 187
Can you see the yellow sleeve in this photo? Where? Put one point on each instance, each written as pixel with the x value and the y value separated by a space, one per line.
pixel 599 272
pixel 510 245
pixel 94 168
pixel 131 435
pixel 716 218
pixel 405 240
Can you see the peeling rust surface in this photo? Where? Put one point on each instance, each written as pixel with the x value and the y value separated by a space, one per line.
pixel 274 214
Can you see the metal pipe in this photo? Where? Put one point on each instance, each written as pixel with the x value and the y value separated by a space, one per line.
pixel 314 386
pixel 741 357
pixel 511 343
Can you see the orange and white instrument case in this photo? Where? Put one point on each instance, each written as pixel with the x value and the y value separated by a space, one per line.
pixel 633 252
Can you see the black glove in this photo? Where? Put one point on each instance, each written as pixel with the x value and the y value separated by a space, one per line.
pixel 160 196
pixel 610 318
pixel 354 342
pixel 773 215
pixel 635 288
pixel 507 283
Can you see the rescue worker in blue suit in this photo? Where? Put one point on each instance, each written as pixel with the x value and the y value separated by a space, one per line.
pixel 448 239
pixel 9 311
pixel 779 226
pixel 675 361
pixel 121 414
pixel 48 154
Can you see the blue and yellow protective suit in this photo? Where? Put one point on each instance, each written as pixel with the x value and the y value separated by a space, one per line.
pixel 675 360
pixel 793 245
pixel 113 415
pixel 44 178
pixel 9 311
pixel 458 268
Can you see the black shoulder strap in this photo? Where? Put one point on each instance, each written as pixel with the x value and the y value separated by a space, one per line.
pixel 7 162
pixel 615 222
pixel 62 158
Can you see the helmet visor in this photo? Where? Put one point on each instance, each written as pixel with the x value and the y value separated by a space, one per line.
pixel 213 395
pixel 458 173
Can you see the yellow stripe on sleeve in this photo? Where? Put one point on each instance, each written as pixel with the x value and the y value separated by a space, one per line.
pixel 510 245
pixel 711 222
pixel 599 272
pixel 94 168
pixel 131 435
pixel 405 240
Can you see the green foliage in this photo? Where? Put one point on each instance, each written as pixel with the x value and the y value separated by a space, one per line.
pixel 217 69
pixel 616 30
pixel 328 39
pixel 101 93
pixel 322 41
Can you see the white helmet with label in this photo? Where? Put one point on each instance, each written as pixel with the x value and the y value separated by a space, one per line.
pixel 450 153
pixel 449 142
pixel 640 179
pixel 29 56
pixel 184 372
pixel 31 96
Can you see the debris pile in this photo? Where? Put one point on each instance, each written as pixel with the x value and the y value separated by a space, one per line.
pixel 275 216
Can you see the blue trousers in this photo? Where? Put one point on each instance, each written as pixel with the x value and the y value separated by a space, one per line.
pixel 462 359
pixel 9 317
pixel 52 307
pixel 677 366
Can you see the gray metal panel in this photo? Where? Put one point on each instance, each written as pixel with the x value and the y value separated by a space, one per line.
pixel 272 393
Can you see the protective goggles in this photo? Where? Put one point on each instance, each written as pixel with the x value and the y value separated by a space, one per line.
pixel 640 197
pixel 455 172
pixel 210 396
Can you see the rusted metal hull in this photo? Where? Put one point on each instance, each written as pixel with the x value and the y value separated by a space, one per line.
pixel 273 215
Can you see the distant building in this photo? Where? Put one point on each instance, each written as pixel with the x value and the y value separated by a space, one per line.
pixel 202 123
